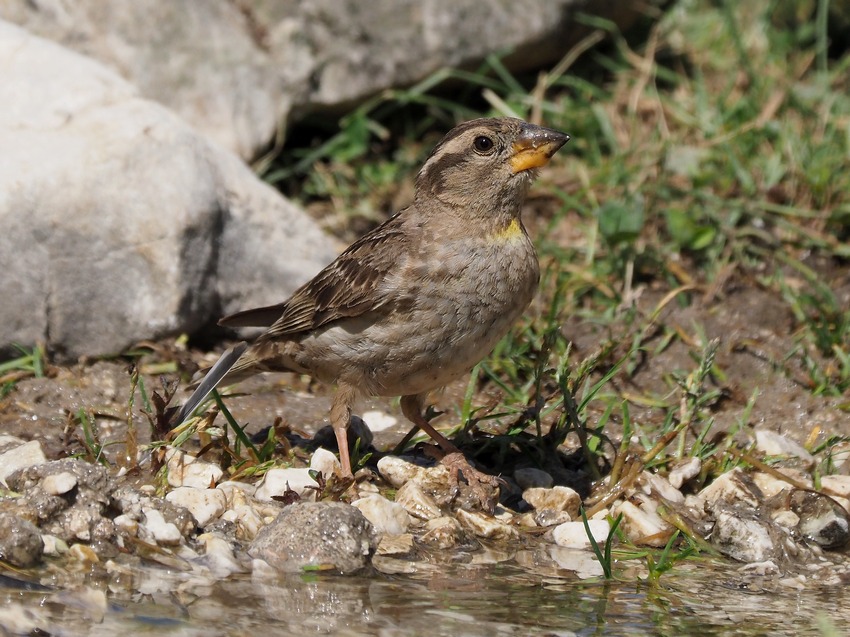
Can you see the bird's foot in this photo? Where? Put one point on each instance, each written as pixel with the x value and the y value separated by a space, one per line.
pixel 484 487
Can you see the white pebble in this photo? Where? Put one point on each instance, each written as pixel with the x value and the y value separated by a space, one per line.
pixel 643 527
pixel 485 526
pixel 219 556
pixel 127 525
pixel 165 533
pixel 662 487
pixel 59 483
pixel 416 502
pixel 387 517
pixel 573 534
pixel 774 444
pixel 557 499
pixel 325 462
pixel 379 421
pixel 205 505
pixel 684 471
pixel 54 546
pixel 20 457
pixel 277 481
pixel 583 563
pixel 185 470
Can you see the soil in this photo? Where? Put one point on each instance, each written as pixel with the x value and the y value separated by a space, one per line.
pixel 757 331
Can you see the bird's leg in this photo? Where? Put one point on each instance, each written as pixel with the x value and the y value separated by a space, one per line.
pixel 340 417
pixel 452 458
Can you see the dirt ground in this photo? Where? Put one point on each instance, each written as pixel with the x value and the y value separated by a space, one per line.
pixel 755 327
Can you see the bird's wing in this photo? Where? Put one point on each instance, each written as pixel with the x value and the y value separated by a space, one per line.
pixel 348 287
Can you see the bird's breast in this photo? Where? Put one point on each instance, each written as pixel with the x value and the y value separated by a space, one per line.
pixel 445 309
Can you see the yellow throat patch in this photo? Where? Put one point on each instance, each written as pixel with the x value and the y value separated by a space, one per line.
pixel 510 232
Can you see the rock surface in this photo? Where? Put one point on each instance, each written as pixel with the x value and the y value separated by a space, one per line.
pixel 236 70
pixel 118 222
pixel 20 541
pixel 317 536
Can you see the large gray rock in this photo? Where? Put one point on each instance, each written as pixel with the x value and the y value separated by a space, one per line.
pixel 118 222
pixel 237 70
pixel 317 536
pixel 201 59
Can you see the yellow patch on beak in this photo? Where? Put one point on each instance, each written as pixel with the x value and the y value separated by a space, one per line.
pixel 534 147
pixel 528 158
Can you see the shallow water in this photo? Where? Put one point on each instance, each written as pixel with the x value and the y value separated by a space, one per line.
pixel 436 600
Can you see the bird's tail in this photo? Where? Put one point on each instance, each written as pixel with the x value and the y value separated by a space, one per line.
pixel 214 376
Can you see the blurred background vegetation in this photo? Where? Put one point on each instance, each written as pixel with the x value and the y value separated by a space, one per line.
pixel 712 143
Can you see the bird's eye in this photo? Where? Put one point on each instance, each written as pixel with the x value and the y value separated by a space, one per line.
pixel 483 144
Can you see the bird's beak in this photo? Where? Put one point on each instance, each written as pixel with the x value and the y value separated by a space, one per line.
pixel 535 146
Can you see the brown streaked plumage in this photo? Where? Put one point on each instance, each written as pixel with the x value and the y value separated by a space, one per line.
pixel 421 299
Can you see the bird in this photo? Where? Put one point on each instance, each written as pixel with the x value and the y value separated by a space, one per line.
pixel 421 299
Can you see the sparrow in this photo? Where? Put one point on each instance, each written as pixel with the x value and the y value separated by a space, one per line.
pixel 417 302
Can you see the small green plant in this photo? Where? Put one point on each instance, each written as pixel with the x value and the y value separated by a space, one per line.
pixel 603 554
pixel 30 363
pixel 91 437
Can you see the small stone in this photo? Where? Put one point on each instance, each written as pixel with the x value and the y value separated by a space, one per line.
pixel 387 517
pixel 233 490
pixel 836 485
pixel 357 430
pixel 59 483
pixel 310 536
pixel 683 471
pixel 248 521
pixel 398 471
pixel 485 526
pixel 658 485
pixel 277 482
pixel 732 487
pixel 743 536
pixel 550 517
pixel 26 455
pixel 325 462
pixel 205 505
pixel 822 520
pixel 164 533
pixel 785 518
pixel 573 534
pixel 185 470
pixel 219 557
pixel 416 502
pixel 126 525
pixel 770 485
pixel 54 546
pixel 583 563
pixel 531 477
pixel 20 541
pixel 774 444
pixel 83 553
pixel 643 527
pixel 379 420
pixel 695 506
pixel 395 545
pixel 529 518
pixel 443 533
pixel 557 499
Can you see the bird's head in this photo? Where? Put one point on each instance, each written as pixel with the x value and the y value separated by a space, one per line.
pixel 487 164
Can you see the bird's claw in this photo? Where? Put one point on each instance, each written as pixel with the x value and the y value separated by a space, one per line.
pixel 483 485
